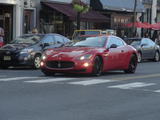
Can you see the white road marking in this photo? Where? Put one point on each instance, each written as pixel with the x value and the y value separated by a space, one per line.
pixel 91 82
pixel 132 85
pixel 50 80
pixel 157 91
pixel 1 76
pixel 17 78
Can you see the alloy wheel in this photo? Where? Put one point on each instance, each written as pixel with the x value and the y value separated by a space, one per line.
pixel 97 67
pixel 156 57
pixel 132 65
pixel 37 61
pixel 139 57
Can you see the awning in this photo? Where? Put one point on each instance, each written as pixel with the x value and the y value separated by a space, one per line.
pixel 122 5
pixel 67 9
pixel 156 26
pixel 139 25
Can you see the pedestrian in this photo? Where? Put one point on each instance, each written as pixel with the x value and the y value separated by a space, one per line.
pixel 157 39
pixel 34 31
pixel 146 35
pixel 1 36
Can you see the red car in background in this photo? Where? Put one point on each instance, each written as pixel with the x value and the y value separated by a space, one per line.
pixel 93 55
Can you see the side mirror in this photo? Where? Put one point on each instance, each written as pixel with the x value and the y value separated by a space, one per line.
pixel 44 45
pixel 113 46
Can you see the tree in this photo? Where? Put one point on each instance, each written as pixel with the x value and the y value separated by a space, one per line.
pixel 80 7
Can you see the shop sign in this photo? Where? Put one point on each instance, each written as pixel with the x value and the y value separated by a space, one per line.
pixel 9 1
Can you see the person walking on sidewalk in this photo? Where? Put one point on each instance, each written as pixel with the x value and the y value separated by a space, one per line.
pixel 1 36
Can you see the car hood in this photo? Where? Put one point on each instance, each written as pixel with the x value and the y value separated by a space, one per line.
pixel 14 47
pixel 73 52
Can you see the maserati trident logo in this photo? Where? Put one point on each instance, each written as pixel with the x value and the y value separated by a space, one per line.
pixel 59 64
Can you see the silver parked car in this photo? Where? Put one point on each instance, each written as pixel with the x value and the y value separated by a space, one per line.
pixel 147 49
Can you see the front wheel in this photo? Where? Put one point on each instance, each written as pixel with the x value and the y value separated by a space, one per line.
pixel 132 65
pixel 97 67
pixel 156 57
pixel 37 61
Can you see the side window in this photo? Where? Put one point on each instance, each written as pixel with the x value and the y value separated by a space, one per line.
pixel 111 41
pixel 59 39
pixel 145 41
pixel 49 39
pixel 66 40
pixel 119 42
pixel 151 42
pixel 114 40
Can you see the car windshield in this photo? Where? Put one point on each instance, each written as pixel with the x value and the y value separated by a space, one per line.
pixel 30 39
pixel 92 42
pixel 135 43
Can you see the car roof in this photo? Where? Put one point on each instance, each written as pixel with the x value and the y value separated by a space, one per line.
pixel 133 38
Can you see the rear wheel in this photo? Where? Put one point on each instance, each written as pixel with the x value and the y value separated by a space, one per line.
pixel 156 57
pixel 132 65
pixel 37 61
pixel 47 73
pixel 97 67
pixel 4 66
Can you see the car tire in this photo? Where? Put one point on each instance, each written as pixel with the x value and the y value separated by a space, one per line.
pixel 132 65
pixel 156 57
pixel 47 73
pixel 97 66
pixel 4 67
pixel 139 57
pixel 37 61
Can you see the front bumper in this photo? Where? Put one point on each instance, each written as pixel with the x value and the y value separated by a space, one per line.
pixel 14 59
pixel 78 67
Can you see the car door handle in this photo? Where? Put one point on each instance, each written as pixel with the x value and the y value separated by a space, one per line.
pixel 122 50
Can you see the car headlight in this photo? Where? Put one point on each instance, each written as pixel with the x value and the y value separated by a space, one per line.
pixel 85 57
pixel 26 50
pixel 44 57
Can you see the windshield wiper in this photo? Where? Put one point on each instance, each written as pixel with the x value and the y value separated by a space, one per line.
pixel 80 46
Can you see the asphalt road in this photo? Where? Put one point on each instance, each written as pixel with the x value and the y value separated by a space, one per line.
pixel 26 94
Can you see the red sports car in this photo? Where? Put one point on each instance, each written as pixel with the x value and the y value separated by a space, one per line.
pixel 93 55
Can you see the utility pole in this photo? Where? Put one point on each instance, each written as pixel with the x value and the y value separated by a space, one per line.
pixel 154 11
pixel 134 18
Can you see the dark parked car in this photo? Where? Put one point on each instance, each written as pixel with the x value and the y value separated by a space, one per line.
pixel 147 49
pixel 27 49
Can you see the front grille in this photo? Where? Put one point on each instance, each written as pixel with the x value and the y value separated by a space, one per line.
pixel 59 64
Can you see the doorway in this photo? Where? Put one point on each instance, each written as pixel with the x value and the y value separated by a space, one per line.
pixel 6 21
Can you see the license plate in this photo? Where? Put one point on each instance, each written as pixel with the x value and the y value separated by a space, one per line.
pixel 7 58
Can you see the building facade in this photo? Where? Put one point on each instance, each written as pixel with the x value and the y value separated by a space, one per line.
pixel 19 17
pixel 10 18
pixel 60 17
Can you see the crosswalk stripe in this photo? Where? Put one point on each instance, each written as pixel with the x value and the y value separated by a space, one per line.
pixel 91 82
pixel 50 80
pixel 17 78
pixel 157 91
pixel 132 85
